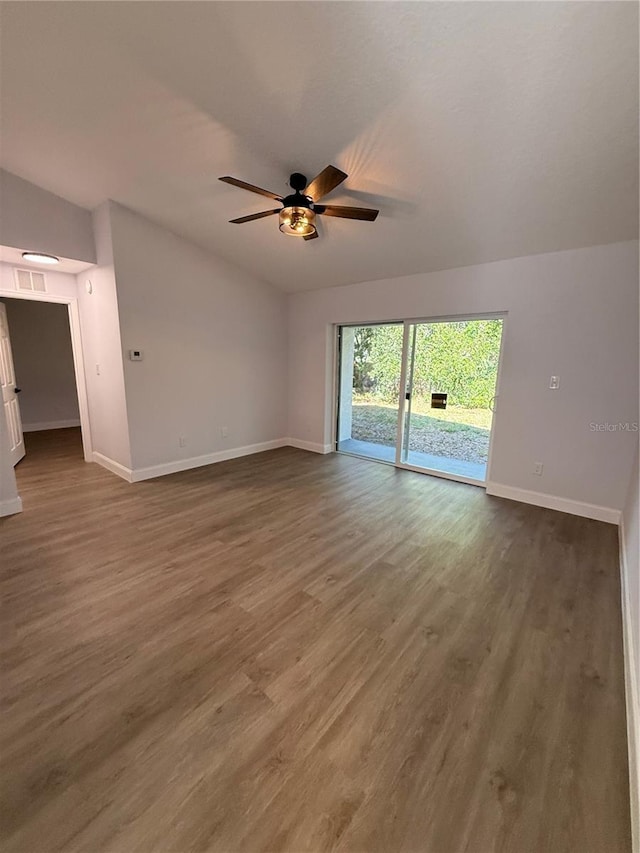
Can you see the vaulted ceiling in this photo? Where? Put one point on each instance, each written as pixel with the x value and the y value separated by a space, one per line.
pixel 480 130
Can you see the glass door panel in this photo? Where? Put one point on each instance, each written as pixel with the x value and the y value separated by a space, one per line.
pixel 452 370
pixel 370 366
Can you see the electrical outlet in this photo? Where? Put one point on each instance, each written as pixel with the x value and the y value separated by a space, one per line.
pixel 538 468
pixel 224 432
pixel 97 370
pixel 554 383
pixel 182 441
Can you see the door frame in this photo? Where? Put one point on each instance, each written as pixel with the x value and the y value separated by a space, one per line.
pixel 402 402
pixel 78 359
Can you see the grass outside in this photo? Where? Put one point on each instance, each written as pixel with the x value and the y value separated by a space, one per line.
pixel 453 432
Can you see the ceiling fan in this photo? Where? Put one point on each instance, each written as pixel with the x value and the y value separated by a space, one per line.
pixel 298 212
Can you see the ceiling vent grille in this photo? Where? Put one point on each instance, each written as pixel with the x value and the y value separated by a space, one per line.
pixel 34 282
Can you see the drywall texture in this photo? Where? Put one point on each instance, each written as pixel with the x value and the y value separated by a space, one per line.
pixel 102 348
pixel 573 314
pixel 43 362
pixel 214 341
pixel 32 218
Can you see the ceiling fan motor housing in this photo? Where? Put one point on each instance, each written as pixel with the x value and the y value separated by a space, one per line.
pixel 297 182
pixel 297 200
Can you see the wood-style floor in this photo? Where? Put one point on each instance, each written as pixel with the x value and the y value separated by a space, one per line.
pixel 291 652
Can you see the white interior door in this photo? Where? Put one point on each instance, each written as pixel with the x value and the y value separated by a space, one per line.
pixel 9 393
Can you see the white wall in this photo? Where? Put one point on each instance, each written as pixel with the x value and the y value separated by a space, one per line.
pixel 32 218
pixel 572 314
pixel 43 362
pixel 99 322
pixel 214 342
pixel 102 348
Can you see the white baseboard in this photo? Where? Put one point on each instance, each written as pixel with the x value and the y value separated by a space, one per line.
pixel 136 475
pixel 113 466
pixel 10 507
pixel 599 513
pixel 38 427
pixel 632 697
pixel 309 445
pixel 139 474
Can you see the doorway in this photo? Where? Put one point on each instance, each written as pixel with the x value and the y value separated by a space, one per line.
pixel 39 376
pixel 421 394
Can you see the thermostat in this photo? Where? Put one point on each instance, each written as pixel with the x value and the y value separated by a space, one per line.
pixel 136 354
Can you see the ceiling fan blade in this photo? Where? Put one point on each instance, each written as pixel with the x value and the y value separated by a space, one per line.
pixel 253 216
pixel 245 186
pixel 347 212
pixel 327 180
pixel 311 236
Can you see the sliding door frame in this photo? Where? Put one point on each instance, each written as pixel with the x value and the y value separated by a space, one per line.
pixel 405 372
pixel 404 389
pixel 404 375
pixel 335 390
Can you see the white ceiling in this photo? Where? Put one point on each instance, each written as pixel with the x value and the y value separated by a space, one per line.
pixel 12 255
pixel 480 130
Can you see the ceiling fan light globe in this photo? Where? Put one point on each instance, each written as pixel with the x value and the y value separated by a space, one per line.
pixel 297 221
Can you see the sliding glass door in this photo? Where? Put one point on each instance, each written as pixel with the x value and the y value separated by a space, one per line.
pixel 451 386
pixel 420 395
pixel 370 372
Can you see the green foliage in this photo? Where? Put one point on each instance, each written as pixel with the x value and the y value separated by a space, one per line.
pixel 457 358
pixel 362 364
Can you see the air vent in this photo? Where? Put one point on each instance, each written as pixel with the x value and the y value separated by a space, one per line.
pixel 31 281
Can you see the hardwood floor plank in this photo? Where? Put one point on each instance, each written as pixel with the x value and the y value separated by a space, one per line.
pixel 291 652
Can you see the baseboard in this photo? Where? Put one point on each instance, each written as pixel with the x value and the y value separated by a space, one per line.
pixel 38 427
pixel 599 513
pixel 309 445
pixel 138 474
pixel 10 507
pixel 632 697
pixel 113 466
